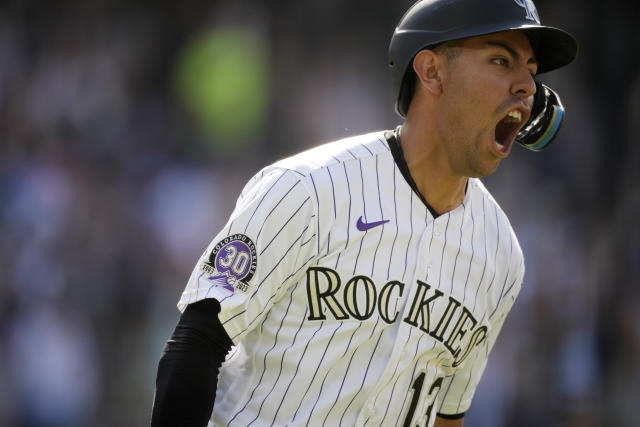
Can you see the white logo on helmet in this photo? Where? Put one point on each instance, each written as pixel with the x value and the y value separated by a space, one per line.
pixel 530 8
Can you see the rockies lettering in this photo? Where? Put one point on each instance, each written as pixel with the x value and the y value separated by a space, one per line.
pixel 348 300
pixel 419 314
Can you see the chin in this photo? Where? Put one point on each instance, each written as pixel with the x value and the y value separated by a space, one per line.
pixel 480 171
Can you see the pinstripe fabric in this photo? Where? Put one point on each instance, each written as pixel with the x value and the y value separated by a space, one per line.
pixel 342 325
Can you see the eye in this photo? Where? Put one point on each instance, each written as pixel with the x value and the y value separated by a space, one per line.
pixel 503 62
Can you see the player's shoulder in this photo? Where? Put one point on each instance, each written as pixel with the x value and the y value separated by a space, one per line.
pixel 301 168
pixel 342 151
pixel 489 207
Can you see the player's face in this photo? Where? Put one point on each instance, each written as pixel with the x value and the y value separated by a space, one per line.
pixel 487 93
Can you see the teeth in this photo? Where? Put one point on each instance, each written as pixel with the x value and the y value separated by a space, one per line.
pixel 500 146
pixel 514 116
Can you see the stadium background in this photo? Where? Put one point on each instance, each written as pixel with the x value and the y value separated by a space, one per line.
pixel 128 128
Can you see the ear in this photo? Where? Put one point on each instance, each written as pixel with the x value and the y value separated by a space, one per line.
pixel 427 66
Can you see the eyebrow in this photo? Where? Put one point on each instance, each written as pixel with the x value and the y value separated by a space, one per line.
pixel 512 51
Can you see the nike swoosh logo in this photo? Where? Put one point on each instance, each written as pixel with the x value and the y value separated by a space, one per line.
pixel 364 226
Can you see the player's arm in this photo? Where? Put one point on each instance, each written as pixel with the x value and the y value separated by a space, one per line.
pixel 188 369
pixel 447 422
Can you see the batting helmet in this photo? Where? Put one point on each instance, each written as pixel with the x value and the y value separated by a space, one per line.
pixel 430 22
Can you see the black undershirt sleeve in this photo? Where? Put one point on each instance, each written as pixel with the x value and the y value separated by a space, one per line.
pixel 188 369
pixel 451 417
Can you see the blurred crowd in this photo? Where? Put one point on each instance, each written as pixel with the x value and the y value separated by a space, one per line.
pixel 127 129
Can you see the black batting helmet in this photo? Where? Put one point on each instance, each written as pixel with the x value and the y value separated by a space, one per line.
pixel 430 22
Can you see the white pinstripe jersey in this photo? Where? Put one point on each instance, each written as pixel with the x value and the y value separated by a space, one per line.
pixel 347 302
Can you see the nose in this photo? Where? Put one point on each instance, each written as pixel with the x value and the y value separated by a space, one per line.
pixel 525 85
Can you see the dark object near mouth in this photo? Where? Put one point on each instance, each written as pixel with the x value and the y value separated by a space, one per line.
pixel 545 121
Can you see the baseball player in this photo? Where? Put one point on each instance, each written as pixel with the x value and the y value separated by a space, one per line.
pixel 365 281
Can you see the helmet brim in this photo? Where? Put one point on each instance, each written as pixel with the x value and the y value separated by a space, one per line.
pixel 554 48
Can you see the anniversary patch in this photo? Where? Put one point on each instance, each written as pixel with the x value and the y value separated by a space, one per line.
pixel 232 263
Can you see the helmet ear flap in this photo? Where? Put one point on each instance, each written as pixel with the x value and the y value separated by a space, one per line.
pixel 546 118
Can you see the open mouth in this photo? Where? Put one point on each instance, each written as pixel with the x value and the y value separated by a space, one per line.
pixel 507 129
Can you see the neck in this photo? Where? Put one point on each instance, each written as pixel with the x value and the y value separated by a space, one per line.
pixel 442 188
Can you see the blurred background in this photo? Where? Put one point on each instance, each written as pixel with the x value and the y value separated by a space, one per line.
pixel 128 128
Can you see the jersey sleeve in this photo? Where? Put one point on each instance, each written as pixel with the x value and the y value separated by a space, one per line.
pixel 262 250
pixel 457 390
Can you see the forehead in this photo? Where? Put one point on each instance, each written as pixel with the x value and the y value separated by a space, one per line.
pixel 515 40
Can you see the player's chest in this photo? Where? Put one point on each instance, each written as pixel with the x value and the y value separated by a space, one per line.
pixel 427 284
